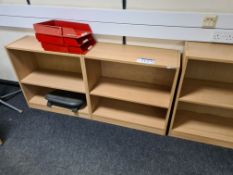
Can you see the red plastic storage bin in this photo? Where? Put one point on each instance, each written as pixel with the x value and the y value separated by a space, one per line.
pixel 50 39
pixel 77 42
pixel 63 36
pixel 69 49
pixel 63 28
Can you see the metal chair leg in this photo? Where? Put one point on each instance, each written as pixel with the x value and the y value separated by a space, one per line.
pixel 10 106
pixel 10 94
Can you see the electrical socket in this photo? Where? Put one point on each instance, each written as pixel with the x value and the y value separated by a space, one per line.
pixel 222 37
pixel 209 21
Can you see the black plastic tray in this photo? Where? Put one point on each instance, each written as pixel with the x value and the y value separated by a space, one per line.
pixel 69 100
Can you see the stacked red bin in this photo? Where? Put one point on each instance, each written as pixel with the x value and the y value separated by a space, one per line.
pixel 64 36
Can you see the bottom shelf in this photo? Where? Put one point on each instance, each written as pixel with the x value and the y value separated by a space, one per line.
pixel 204 128
pixel 39 102
pixel 131 115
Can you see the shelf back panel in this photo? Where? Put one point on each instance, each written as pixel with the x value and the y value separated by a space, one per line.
pixel 207 70
pixel 58 63
pixel 137 73
pixel 23 62
pixel 142 74
pixel 221 112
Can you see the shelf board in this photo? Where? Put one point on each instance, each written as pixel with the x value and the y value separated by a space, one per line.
pixel 164 58
pixel 130 114
pixel 209 51
pixel 39 102
pixel 210 93
pixel 132 91
pixel 56 79
pixel 31 44
pixel 204 127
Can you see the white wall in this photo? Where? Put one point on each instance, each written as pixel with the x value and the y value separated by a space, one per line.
pixel 167 44
pixel 183 5
pixel 8 35
pixel 116 4
pixel 12 1
pixel 176 5
pixel 108 39
pixel 180 5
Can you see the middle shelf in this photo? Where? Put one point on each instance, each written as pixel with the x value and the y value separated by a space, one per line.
pixel 144 93
pixel 56 79
pixel 218 94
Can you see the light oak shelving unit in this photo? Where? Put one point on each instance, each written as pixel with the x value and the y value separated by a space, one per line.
pixel 40 72
pixel 129 93
pixel 119 89
pixel 204 105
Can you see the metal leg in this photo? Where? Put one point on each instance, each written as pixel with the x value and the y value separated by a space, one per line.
pixel 10 94
pixel 10 106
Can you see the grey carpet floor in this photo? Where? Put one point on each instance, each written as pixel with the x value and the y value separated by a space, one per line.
pixel 43 143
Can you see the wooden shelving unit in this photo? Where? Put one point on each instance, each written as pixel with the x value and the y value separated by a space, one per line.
pixel 40 72
pixel 119 89
pixel 204 105
pixel 129 93
pixel 122 90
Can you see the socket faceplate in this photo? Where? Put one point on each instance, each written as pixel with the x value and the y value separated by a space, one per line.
pixel 210 21
pixel 222 36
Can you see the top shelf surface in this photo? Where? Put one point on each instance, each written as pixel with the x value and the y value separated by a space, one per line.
pixel 30 43
pixel 164 58
pixel 209 52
